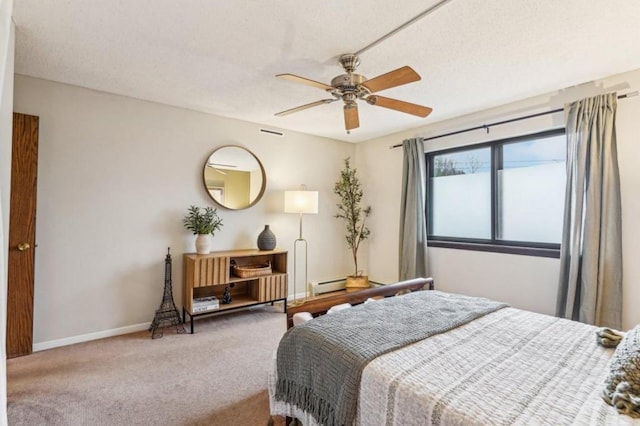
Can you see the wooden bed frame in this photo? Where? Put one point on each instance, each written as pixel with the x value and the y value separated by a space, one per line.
pixel 320 306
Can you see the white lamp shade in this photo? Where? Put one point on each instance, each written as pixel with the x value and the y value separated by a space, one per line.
pixel 301 202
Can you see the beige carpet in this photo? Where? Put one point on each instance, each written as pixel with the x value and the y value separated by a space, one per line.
pixel 217 376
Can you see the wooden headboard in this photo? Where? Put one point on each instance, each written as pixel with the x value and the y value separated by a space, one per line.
pixel 320 306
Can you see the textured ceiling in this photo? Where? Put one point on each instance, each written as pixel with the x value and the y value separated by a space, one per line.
pixel 220 56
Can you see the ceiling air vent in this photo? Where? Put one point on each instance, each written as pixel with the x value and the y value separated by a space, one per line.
pixel 271 132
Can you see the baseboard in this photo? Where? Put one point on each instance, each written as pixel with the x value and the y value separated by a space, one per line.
pixel 108 333
pixel 297 296
pixel 90 336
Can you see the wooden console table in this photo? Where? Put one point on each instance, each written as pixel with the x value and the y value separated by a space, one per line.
pixel 206 275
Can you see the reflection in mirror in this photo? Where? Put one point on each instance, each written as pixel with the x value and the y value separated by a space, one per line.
pixel 234 177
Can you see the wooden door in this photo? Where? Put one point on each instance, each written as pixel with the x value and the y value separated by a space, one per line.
pixel 22 235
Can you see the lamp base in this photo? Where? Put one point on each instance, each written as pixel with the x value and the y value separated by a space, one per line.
pixel 303 244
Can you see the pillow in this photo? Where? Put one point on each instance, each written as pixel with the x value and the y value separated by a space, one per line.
pixel 337 308
pixel 622 385
pixel 301 318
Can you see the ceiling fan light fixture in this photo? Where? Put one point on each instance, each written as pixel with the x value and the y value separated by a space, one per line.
pixel 349 98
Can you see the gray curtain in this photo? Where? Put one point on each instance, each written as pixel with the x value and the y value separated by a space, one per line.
pixel 413 223
pixel 590 288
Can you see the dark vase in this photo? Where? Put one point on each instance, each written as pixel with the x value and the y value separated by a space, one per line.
pixel 266 239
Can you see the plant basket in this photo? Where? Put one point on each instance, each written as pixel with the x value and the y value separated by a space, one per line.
pixel 357 282
pixel 249 271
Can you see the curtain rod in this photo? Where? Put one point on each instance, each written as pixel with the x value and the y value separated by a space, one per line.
pixel 498 123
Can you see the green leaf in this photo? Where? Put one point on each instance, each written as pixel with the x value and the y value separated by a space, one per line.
pixel 202 223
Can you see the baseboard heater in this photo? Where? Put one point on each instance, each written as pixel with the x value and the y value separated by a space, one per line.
pixel 321 287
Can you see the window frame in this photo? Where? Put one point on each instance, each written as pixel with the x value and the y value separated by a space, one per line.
pixel 529 248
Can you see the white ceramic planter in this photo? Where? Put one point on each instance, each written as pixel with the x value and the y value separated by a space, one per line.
pixel 203 243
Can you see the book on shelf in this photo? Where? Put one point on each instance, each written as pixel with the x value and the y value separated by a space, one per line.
pixel 205 303
pixel 208 299
pixel 204 308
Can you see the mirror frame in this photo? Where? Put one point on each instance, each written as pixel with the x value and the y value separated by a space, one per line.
pixel 264 177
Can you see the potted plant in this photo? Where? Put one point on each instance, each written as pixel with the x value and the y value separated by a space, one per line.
pixel 350 192
pixel 202 224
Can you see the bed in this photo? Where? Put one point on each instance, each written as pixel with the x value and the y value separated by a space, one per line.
pixel 497 366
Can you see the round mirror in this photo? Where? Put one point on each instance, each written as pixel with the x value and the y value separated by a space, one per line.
pixel 234 177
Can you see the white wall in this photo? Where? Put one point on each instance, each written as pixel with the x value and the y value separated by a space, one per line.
pixel 115 177
pixel 7 44
pixel 525 282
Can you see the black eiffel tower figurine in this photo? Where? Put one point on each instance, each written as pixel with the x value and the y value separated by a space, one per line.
pixel 167 315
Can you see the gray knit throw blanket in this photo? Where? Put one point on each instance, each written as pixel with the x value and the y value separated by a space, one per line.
pixel 622 384
pixel 320 363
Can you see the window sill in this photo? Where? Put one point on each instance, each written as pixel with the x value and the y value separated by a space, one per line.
pixel 497 248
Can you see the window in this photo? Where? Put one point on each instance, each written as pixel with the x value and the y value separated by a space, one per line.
pixel 461 193
pixel 503 196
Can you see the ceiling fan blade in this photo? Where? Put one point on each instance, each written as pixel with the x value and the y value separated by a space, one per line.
pixel 351 119
pixel 303 107
pixel 402 106
pixel 391 79
pixel 298 79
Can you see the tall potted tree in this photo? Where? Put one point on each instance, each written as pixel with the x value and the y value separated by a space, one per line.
pixel 349 190
pixel 202 224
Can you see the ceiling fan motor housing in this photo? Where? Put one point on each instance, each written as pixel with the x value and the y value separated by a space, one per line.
pixel 348 82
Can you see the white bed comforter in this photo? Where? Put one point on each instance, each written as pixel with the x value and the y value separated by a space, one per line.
pixel 508 367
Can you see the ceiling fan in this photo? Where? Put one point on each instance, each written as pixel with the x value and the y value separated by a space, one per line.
pixel 350 86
